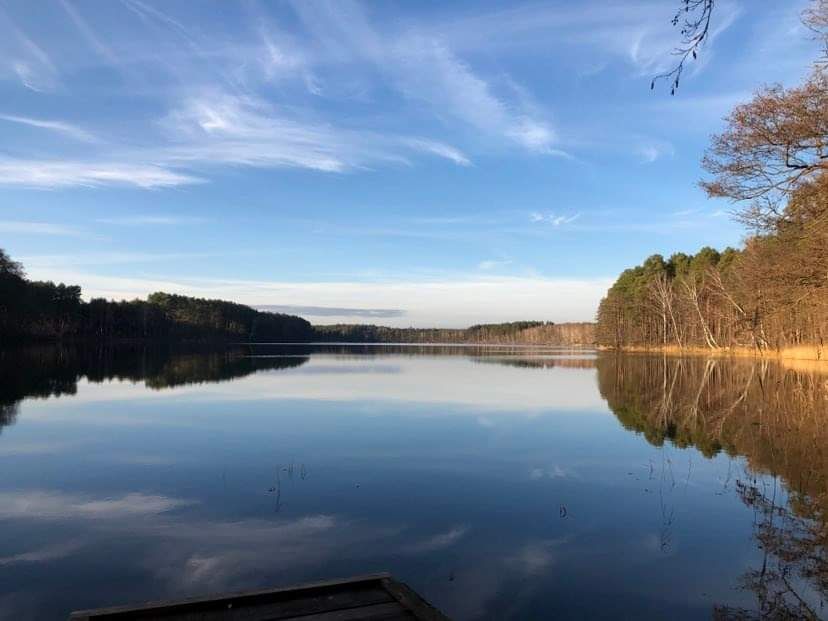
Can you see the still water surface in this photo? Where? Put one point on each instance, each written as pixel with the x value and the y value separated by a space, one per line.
pixel 500 483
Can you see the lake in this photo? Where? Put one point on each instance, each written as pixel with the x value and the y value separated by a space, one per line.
pixel 498 482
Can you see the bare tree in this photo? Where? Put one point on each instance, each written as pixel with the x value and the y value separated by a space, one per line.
pixel 815 17
pixel 694 288
pixel 661 289
pixel 694 17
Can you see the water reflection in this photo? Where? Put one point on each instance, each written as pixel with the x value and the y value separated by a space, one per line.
pixel 542 362
pixel 55 371
pixel 775 418
pixel 52 371
pixel 496 481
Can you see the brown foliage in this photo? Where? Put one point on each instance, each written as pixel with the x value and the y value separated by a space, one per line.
pixel 772 158
pixel 773 144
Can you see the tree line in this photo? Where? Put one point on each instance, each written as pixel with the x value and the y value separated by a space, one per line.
pixel 772 162
pixel 516 332
pixel 40 311
pixel 34 310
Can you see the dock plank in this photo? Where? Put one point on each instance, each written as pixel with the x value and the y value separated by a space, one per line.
pixel 378 612
pixel 283 608
pixel 369 598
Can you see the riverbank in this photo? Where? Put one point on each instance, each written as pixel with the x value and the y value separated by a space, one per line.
pixel 802 353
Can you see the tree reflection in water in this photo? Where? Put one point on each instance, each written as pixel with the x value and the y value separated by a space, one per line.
pixel 52 371
pixel 770 417
pixel 774 418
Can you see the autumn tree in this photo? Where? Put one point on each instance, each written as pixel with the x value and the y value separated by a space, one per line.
pixel 815 17
pixel 772 161
pixel 772 145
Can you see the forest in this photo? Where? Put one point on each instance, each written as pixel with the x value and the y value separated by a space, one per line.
pixel 771 162
pixel 37 311
pixel 45 311
pixel 516 332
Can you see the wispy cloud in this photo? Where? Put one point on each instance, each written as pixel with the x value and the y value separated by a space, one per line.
pixel 595 34
pixel 643 35
pixel 219 129
pixel 151 220
pixel 224 128
pixel 429 71
pixel 67 173
pixel 701 213
pixel 441 149
pixel 649 152
pixel 218 115
pixel 151 14
pixel 491 264
pixel 281 57
pixel 88 34
pixel 421 65
pixel 686 212
pixel 67 129
pixel 20 227
pixel 219 106
pixel 552 218
pixel 444 220
pixel 47 262
pixel 25 59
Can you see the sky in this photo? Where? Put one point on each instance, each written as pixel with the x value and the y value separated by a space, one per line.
pixel 400 163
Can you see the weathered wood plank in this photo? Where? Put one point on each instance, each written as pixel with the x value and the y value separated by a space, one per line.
pixel 379 612
pixel 238 599
pixel 342 600
pixel 283 608
pixel 369 598
pixel 412 601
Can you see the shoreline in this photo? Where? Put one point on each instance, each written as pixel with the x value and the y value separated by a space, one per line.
pixel 790 355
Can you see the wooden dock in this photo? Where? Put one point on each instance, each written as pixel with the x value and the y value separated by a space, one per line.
pixel 376 597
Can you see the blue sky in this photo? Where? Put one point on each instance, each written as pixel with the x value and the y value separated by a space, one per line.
pixel 401 163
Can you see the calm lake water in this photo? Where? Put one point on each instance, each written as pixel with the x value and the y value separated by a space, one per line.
pixel 500 483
